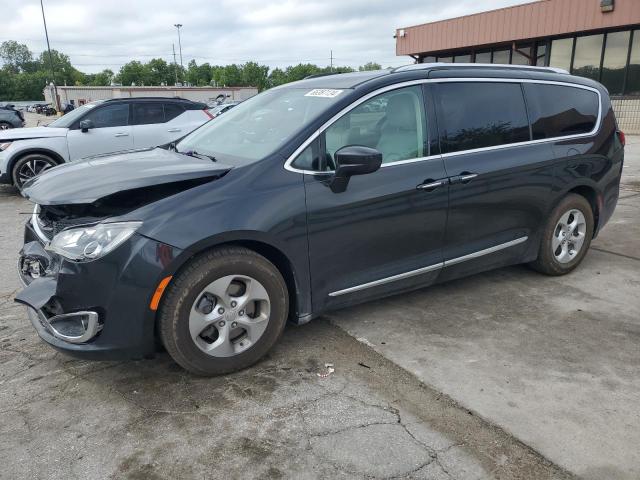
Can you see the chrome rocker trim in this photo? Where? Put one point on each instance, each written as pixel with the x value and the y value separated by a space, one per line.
pixel 430 268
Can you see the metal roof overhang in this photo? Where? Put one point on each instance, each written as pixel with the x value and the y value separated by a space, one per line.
pixel 543 18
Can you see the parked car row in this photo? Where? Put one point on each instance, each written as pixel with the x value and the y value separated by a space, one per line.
pixel 97 128
pixel 306 198
pixel 10 118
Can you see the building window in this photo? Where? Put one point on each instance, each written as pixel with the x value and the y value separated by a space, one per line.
pixel 522 55
pixel 586 61
pixel 541 55
pixel 445 59
pixel 483 57
pixel 430 59
pixel 561 53
pixel 501 56
pixel 633 76
pixel 615 61
pixel 462 58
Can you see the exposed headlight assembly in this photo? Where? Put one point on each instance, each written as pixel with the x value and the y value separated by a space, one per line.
pixel 92 242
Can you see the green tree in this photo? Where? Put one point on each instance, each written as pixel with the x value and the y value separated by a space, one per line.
pixel 231 75
pixel 199 75
pixel 277 77
pixel 104 78
pixel 370 66
pixel 15 56
pixel 132 73
pixel 65 73
pixel 156 72
pixel 255 75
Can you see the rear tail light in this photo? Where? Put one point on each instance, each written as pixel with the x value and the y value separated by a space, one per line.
pixel 623 139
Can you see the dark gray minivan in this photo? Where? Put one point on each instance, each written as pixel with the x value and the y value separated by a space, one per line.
pixel 314 196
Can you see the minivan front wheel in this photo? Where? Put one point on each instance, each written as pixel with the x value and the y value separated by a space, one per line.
pixel 224 311
pixel 566 237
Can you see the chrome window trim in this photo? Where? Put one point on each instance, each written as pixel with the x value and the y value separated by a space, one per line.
pixel 430 268
pixel 288 163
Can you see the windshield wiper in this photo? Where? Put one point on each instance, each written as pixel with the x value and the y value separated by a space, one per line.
pixel 193 153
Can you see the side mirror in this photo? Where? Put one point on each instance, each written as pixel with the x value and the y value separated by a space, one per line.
pixel 86 125
pixel 354 160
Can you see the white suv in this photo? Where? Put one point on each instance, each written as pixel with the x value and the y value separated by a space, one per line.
pixel 97 128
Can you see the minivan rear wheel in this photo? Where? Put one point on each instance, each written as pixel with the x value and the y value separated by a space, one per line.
pixel 566 237
pixel 223 312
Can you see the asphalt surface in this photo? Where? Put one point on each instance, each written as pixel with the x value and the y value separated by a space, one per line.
pixel 555 361
pixel 419 391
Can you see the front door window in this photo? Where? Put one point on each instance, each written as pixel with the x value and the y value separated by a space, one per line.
pixel 393 123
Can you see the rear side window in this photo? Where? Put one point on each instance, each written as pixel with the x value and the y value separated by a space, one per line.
pixel 558 111
pixel 171 111
pixel 147 113
pixel 478 115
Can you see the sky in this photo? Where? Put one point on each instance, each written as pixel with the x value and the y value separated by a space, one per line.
pixel 99 34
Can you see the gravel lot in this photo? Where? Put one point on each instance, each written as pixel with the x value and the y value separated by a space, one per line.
pixel 409 408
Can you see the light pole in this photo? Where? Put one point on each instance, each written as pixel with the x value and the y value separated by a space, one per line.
pixel 56 100
pixel 178 25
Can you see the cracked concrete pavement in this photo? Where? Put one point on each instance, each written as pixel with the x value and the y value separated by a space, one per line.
pixel 62 418
pixel 553 361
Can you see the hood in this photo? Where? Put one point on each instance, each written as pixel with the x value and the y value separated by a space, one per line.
pixel 34 132
pixel 88 181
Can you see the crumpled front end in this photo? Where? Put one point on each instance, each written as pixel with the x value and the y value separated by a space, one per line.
pixel 93 309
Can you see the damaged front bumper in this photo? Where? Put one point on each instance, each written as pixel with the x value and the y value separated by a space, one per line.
pixel 98 309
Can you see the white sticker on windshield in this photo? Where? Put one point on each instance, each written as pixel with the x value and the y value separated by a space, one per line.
pixel 324 93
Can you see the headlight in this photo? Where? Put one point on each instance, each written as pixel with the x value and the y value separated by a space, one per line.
pixel 89 243
pixel 4 145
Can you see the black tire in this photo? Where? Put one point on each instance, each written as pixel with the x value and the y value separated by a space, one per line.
pixel 20 167
pixel 173 315
pixel 546 262
pixel 5 126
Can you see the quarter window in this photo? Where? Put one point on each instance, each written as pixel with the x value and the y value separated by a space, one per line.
pixel 393 123
pixel 147 113
pixel 109 116
pixel 171 111
pixel 477 115
pixel 557 111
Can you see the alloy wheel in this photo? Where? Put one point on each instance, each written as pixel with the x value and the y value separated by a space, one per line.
pixel 229 315
pixel 4 126
pixel 569 236
pixel 32 168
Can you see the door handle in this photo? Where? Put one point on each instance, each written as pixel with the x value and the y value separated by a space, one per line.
pixel 431 185
pixel 464 177
pixel 172 130
pixel 121 134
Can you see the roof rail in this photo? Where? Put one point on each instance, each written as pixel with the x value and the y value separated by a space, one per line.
pixel 425 66
pixel 318 75
pixel 149 98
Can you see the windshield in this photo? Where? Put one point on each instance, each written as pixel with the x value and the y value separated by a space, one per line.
pixel 67 120
pixel 259 126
